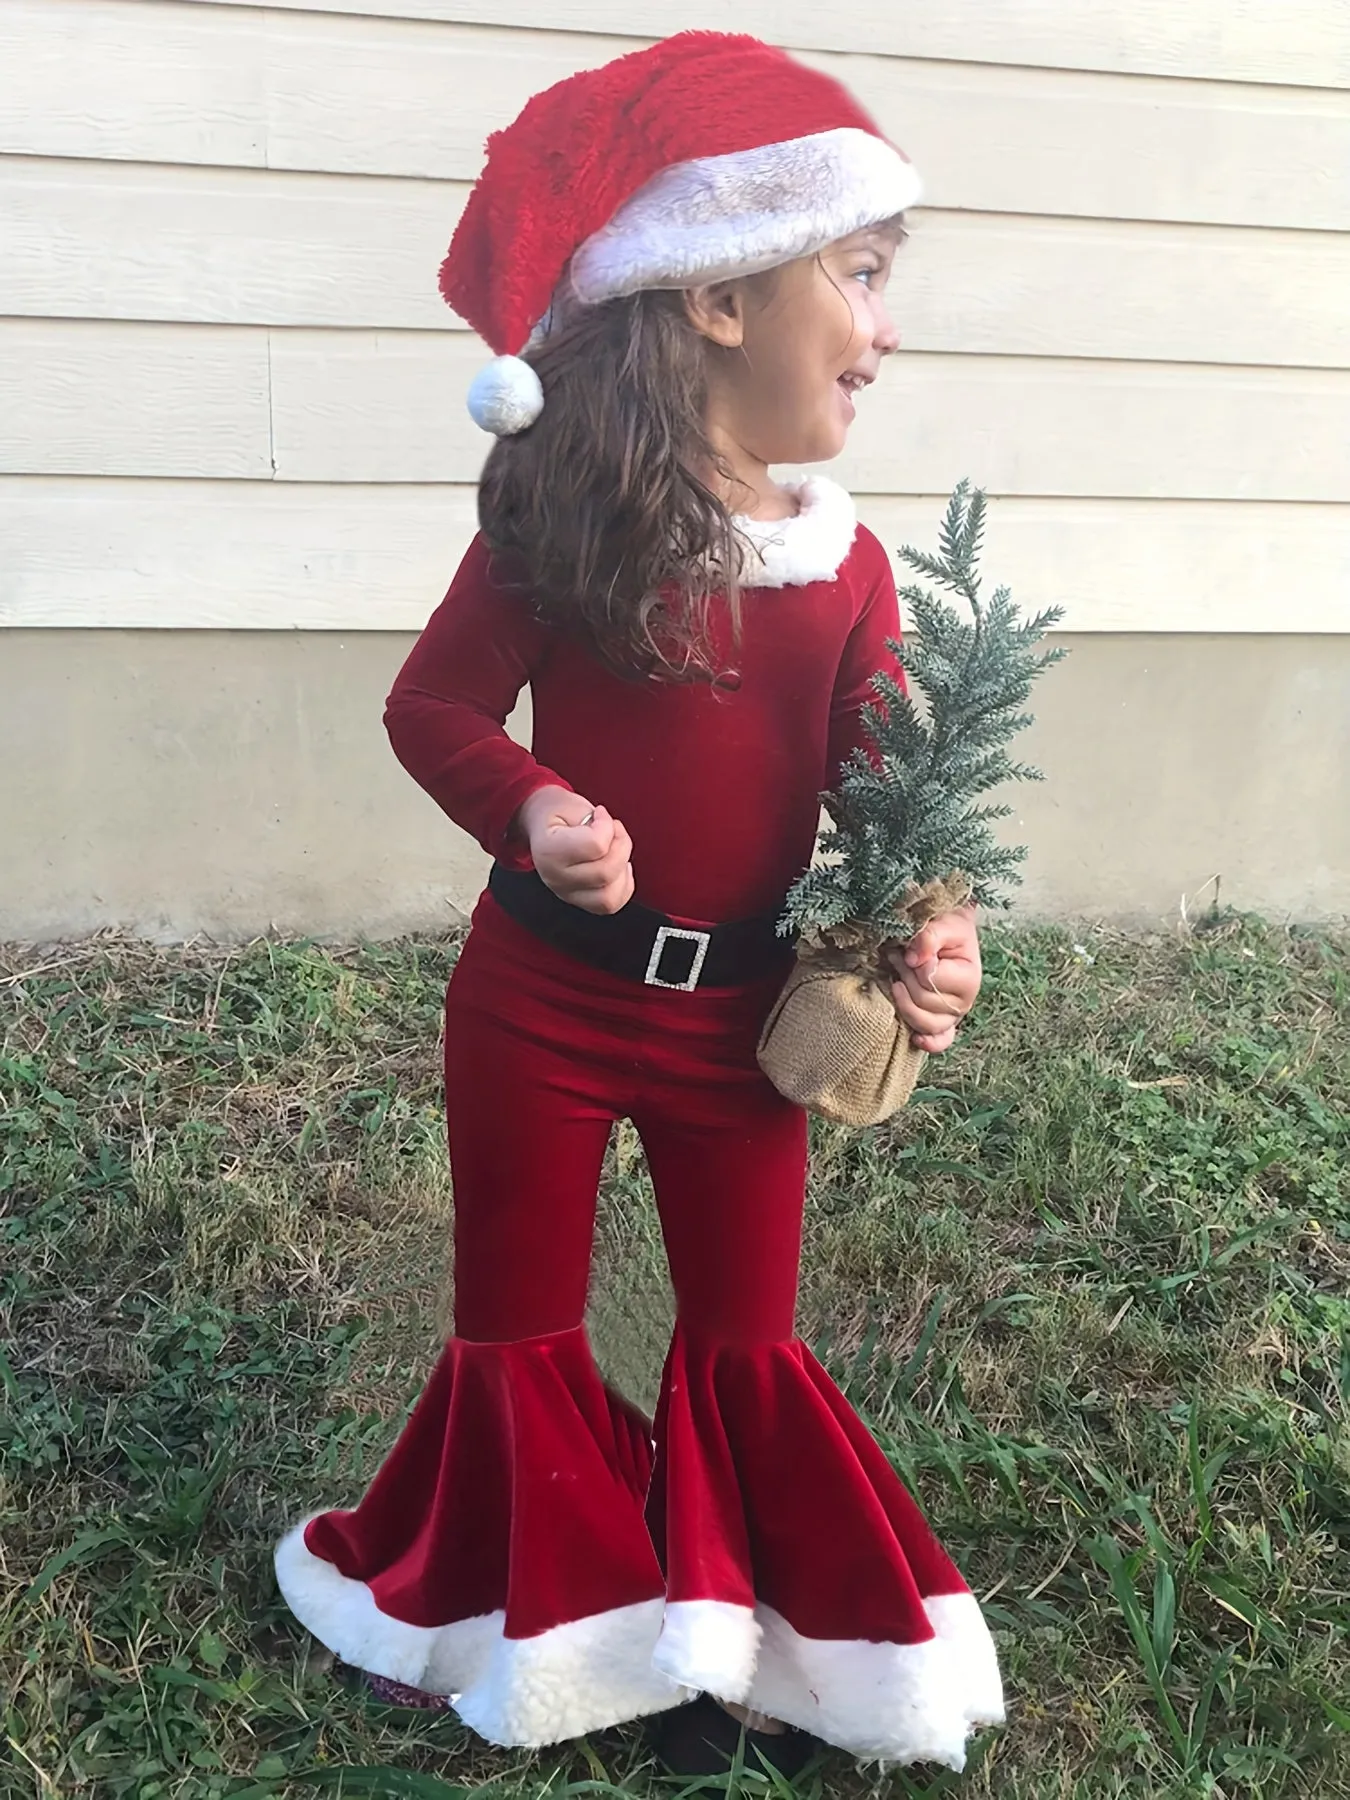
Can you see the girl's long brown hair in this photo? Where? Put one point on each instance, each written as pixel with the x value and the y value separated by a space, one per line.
pixel 598 513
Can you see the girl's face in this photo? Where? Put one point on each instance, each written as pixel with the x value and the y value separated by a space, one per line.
pixel 794 348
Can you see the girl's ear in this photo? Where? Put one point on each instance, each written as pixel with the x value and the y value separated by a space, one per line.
pixel 717 312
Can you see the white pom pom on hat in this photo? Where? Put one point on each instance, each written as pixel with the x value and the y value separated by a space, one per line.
pixel 706 156
pixel 505 397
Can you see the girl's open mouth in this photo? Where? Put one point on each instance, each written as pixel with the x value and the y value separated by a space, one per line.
pixel 850 386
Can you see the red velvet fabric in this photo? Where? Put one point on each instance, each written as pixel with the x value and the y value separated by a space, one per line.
pixel 718 788
pixel 541 1057
pixel 769 1489
pixel 520 1482
pixel 516 1485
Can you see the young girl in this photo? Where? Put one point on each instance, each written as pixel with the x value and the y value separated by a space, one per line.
pixel 691 247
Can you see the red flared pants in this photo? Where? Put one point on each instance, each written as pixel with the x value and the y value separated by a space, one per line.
pixel 532 1547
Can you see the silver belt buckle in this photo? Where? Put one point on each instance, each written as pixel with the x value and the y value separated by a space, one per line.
pixel 663 936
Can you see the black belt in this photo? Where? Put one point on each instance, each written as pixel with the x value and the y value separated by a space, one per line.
pixel 642 945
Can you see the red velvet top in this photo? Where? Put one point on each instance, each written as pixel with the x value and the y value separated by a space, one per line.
pixel 718 787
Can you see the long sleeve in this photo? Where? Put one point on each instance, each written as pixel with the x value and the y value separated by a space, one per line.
pixel 447 710
pixel 866 654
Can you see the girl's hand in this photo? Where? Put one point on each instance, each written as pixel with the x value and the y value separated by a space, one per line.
pixel 939 977
pixel 578 850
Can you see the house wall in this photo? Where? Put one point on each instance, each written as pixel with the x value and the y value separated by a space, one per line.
pixel 236 472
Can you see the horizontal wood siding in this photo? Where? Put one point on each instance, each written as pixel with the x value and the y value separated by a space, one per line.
pixel 1305 42
pixel 153 81
pixel 115 398
pixel 232 396
pixel 265 247
pixel 189 554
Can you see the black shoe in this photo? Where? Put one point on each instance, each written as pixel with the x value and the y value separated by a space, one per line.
pixel 703 1738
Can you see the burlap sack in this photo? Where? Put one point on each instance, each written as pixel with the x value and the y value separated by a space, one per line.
pixel 833 1042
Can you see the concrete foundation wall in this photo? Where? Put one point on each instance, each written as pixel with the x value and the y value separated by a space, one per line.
pixel 228 783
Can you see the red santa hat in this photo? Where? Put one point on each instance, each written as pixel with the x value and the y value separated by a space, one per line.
pixel 704 157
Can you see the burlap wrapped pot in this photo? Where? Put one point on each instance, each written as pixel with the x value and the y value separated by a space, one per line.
pixel 833 1042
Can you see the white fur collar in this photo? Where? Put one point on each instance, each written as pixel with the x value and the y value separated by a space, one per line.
pixel 810 546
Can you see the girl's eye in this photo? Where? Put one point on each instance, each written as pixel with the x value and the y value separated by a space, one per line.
pixel 868 276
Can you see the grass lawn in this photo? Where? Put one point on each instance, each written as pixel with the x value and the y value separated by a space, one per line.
pixel 1092 1294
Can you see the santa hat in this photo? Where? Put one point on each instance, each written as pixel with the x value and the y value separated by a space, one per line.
pixel 704 157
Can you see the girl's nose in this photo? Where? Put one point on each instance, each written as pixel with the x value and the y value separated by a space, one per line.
pixel 886 337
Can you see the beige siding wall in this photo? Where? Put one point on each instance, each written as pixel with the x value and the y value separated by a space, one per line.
pixel 232 400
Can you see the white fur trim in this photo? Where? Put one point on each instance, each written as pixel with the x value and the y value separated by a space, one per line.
pixel 958 1621
pixel 892 1703
pixel 505 397
pixel 710 1646
pixel 810 546
pixel 583 1676
pixel 720 216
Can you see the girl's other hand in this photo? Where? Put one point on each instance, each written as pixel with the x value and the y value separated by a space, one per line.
pixel 939 978
pixel 579 851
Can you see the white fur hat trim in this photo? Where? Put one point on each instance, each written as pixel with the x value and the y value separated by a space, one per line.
pixel 721 216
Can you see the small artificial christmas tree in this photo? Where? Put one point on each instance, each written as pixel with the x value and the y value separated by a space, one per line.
pixel 910 837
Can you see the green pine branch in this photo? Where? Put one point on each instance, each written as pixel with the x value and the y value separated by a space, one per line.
pixel 909 805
